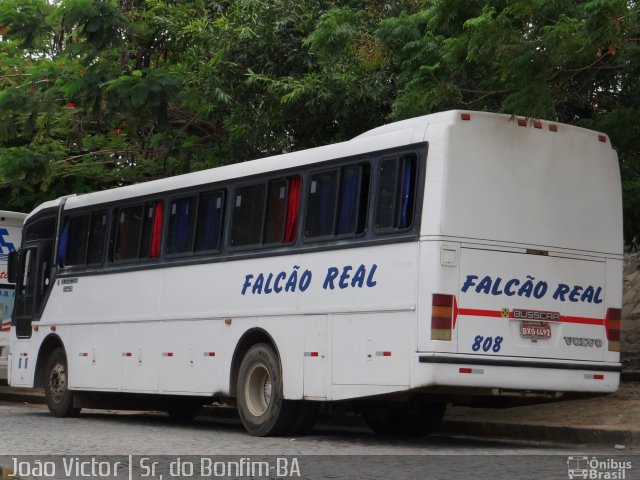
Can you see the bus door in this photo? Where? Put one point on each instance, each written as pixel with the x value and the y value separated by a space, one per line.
pixel 34 274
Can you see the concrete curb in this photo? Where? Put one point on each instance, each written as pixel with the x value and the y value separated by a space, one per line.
pixel 21 395
pixel 541 433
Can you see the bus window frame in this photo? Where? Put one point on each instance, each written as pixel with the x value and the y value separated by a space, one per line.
pixel 300 243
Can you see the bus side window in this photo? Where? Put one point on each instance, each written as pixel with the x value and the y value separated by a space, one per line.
pixel 210 221
pixel 182 215
pixel 128 233
pixel 337 202
pixel 248 215
pixel 97 237
pixel 321 204
pixel 283 203
pixel 73 243
pixel 395 201
pixel 354 196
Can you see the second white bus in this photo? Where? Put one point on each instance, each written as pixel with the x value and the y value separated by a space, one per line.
pixel 457 257
pixel 10 238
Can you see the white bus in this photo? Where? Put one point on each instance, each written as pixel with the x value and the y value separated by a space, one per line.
pixel 456 257
pixel 10 237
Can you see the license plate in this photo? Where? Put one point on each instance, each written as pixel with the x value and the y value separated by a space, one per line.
pixel 535 330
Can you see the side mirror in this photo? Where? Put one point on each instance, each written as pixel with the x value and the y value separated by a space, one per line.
pixel 13 265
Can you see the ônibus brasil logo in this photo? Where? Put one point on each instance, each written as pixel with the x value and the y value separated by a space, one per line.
pixel 597 469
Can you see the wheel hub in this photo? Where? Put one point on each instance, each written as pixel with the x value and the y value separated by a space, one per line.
pixel 57 382
pixel 258 389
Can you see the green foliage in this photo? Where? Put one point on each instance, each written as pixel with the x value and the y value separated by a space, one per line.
pixel 100 93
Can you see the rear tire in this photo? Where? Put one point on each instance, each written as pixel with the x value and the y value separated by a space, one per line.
pixel 419 418
pixel 56 386
pixel 262 408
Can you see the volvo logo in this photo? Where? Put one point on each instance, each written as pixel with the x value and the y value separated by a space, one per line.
pixel 583 342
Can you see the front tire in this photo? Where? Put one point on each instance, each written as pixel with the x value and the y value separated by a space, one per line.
pixel 261 405
pixel 56 387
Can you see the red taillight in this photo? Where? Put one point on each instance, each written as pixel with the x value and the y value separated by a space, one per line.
pixel 442 308
pixel 465 116
pixel 612 327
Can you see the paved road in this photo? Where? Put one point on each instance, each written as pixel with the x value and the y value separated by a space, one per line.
pixel 29 430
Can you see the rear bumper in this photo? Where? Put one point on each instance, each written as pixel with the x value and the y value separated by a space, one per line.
pixel 512 373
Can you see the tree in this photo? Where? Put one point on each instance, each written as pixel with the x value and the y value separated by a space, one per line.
pixel 576 62
pixel 97 94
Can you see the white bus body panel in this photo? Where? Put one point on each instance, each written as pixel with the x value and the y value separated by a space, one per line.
pixel 176 332
pixel 495 192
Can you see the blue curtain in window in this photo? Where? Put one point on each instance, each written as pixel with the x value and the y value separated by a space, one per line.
pixel 407 183
pixel 209 237
pixel 62 246
pixel 181 228
pixel 348 206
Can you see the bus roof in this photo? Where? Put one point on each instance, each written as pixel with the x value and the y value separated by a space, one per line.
pixel 12 218
pixel 397 134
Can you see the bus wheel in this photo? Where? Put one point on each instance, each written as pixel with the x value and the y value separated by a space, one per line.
pixel 262 409
pixel 56 389
pixel 421 418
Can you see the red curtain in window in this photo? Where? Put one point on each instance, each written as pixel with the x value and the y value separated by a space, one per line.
pixel 157 230
pixel 293 207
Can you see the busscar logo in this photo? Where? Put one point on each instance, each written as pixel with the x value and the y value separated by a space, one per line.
pixel 535 315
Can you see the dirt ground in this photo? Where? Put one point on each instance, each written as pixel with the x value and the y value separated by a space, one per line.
pixel 617 411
